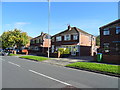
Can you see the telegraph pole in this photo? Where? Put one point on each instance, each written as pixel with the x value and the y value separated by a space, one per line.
pixel 48 27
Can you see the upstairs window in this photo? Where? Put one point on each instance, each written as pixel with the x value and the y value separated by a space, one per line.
pixel 53 39
pixel 67 37
pixel 106 32
pixel 32 42
pixel 40 41
pixel 37 40
pixel 75 37
pixel 117 30
pixel 58 38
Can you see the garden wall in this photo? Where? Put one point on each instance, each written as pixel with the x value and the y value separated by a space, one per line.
pixel 115 59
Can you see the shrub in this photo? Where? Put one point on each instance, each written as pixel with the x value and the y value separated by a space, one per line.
pixel 67 51
pixel 61 50
pixel 64 50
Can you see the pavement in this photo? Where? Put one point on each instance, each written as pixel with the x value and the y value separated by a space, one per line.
pixel 23 73
pixel 65 61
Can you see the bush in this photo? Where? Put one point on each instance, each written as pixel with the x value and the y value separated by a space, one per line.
pixel 67 51
pixel 64 51
pixel 61 50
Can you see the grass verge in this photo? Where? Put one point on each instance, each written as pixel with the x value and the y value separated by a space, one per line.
pixel 96 67
pixel 14 54
pixel 38 58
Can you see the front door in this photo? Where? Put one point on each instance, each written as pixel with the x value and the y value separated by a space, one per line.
pixel 73 50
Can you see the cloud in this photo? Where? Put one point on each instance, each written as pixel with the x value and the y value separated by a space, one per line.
pixel 20 24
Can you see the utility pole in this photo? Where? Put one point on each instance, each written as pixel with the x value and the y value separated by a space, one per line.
pixel 48 27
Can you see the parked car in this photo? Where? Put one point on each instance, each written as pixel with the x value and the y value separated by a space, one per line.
pixel 5 53
pixel 23 50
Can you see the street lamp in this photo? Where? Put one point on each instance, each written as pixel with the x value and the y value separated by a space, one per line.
pixel 48 27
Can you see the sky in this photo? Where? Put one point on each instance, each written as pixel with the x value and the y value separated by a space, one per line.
pixel 32 17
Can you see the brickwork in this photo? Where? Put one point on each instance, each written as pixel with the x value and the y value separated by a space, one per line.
pixel 84 40
pixel 113 55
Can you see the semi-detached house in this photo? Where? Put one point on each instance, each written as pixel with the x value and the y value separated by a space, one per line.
pixel 39 45
pixel 110 41
pixel 78 41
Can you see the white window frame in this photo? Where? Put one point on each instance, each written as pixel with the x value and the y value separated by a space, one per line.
pixel 106 31
pixel 37 40
pixel 106 45
pixel 117 30
pixel 75 37
pixel 67 37
pixel 58 38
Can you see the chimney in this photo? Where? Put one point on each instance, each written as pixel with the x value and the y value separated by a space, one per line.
pixel 41 33
pixel 69 28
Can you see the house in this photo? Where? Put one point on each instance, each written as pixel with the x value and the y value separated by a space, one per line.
pixel 110 41
pixel 79 42
pixel 39 45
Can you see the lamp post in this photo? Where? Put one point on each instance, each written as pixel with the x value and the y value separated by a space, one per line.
pixel 48 27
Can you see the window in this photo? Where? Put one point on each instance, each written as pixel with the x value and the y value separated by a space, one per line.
pixel 75 37
pixel 67 37
pixel 58 38
pixel 106 47
pixel 53 39
pixel 47 37
pixel 117 30
pixel 36 48
pixel 32 41
pixel 37 41
pixel 106 32
pixel 93 38
pixel 40 41
pixel 117 46
pixel 53 48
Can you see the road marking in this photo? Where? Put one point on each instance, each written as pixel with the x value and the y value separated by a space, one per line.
pixel 50 78
pixel 14 64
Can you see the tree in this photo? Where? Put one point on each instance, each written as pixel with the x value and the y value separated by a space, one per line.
pixel 98 40
pixel 14 38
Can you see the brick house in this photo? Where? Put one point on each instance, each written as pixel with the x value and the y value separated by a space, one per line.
pixel 110 41
pixel 78 41
pixel 39 45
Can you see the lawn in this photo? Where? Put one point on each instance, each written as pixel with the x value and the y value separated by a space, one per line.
pixel 38 58
pixel 96 66
pixel 14 54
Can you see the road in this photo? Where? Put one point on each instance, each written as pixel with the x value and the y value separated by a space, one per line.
pixel 22 73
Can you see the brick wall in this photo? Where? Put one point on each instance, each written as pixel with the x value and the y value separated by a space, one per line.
pixel 85 40
pixel 115 59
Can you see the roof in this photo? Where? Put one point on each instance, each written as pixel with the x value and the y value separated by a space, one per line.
pixel 42 35
pixel 111 23
pixel 77 29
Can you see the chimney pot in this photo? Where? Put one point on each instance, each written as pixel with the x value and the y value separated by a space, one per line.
pixel 69 28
